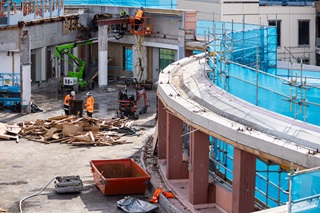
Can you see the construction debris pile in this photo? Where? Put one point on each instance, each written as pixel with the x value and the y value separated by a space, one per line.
pixel 73 130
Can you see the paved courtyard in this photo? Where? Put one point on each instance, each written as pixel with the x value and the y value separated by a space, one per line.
pixel 27 167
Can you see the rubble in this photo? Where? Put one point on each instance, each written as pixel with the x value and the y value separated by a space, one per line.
pixel 72 130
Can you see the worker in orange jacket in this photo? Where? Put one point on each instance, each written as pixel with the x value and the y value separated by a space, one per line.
pixel 89 104
pixel 66 102
pixel 138 18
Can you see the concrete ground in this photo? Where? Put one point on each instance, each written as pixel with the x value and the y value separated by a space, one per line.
pixel 27 167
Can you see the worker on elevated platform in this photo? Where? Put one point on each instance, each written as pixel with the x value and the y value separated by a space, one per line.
pixel 138 18
pixel 123 14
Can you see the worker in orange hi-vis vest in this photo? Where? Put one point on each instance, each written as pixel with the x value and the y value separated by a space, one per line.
pixel 66 102
pixel 89 104
pixel 138 18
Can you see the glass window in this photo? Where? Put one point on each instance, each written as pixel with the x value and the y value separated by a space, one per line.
pixel 167 57
pixel 277 23
pixel 304 32
pixel 127 58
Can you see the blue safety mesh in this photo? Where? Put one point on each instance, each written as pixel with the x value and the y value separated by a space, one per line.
pixel 305 192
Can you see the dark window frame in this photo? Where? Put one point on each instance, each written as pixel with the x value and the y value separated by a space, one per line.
pixel 303 34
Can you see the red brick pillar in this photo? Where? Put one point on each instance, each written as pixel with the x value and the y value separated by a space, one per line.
pixel 243 185
pixel 199 167
pixel 176 169
pixel 162 120
pixel 188 53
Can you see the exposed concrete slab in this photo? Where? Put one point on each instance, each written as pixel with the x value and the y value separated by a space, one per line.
pixel 186 91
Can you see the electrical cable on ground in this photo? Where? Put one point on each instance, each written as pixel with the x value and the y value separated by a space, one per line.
pixel 23 199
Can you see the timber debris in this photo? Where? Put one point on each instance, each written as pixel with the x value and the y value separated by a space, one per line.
pixel 75 131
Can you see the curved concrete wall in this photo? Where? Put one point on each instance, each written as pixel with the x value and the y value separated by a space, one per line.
pixel 186 92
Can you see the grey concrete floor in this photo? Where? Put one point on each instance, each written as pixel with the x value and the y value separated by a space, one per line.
pixel 26 167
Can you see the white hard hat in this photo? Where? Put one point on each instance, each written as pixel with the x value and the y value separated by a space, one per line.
pixel 72 93
pixel 89 93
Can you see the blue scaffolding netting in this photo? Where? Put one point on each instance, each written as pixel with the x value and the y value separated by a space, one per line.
pixel 243 59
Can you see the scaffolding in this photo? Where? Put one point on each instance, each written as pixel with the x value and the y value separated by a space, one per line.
pixel 139 31
pixel 244 61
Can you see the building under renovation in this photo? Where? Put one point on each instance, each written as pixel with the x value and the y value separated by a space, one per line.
pixel 238 103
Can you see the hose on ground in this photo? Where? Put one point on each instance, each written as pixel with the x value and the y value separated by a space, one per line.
pixel 27 197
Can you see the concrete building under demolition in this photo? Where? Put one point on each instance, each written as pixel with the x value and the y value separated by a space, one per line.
pixel 238 103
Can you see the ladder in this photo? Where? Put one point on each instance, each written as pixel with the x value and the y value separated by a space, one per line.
pixel 140 51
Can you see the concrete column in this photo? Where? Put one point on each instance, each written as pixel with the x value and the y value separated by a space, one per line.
pixel 243 185
pixel 103 56
pixel 198 167
pixel 87 56
pixel 175 168
pixel 75 52
pixel 162 119
pixel 65 65
pixel 43 62
pixel 25 72
pixel 58 66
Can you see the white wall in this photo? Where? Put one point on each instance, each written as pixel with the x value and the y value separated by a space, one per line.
pixel 9 64
pixel 207 10
pixel 254 14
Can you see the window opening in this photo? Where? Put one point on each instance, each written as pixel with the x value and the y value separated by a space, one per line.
pixel 186 139
pixel 127 59
pixel 220 160
pixel 304 32
pixel 271 184
pixel 167 57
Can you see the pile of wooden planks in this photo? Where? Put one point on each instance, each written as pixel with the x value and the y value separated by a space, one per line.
pixel 3 211
pixel 77 131
pixel 9 132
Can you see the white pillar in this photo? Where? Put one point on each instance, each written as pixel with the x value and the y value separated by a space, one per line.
pixel 65 64
pixel 25 73
pixel 57 63
pixel 43 74
pixel 75 52
pixel 103 56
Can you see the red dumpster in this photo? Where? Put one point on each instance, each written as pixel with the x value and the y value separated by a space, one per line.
pixel 119 176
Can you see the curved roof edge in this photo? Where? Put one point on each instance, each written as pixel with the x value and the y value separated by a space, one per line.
pixel 186 91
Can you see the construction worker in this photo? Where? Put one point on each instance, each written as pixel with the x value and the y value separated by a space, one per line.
pixel 123 14
pixel 89 104
pixel 66 102
pixel 138 18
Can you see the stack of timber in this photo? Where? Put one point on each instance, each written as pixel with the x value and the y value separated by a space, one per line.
pixel 77 131
pixel 3 211
pixel 9 132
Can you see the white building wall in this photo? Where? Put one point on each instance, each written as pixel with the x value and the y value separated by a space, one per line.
pixel 9 64
pixel 207 9
pixel 252 13
pixel 5 61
